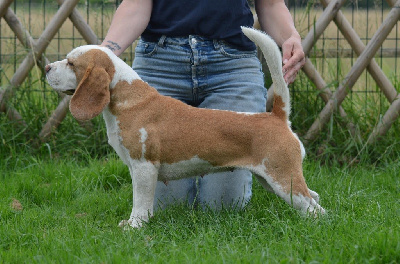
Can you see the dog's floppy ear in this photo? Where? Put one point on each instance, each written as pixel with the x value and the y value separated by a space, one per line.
pixel 91 95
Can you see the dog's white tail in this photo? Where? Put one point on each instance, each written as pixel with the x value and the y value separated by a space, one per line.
pixel 273 58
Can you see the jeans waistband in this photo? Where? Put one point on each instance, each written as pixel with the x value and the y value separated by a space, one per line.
pixel 187 40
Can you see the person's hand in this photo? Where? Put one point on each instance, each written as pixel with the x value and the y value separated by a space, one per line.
pixel 293 58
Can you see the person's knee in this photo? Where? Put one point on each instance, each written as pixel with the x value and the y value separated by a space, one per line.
pixel 181 191
pixel 228 190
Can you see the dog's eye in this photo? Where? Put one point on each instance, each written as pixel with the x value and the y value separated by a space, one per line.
pixel 70 63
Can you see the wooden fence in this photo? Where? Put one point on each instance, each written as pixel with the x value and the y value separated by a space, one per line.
pixel 332 99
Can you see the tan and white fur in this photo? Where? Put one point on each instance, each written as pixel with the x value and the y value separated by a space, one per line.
pixel 161 139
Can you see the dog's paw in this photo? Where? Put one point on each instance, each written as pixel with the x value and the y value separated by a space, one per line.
pixel 315 210
pixel 314 195
pixel 131 223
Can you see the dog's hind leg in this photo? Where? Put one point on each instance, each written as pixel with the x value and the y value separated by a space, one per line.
pixel 292 189
pixel 144 179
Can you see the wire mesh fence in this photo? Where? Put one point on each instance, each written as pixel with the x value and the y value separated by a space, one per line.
pixel 333 56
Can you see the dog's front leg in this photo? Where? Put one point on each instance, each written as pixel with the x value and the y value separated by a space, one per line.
pixel 144 179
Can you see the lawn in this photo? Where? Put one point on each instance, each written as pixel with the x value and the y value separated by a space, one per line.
pixel 61 211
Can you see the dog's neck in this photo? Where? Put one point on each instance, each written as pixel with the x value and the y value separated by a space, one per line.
pixel 126 95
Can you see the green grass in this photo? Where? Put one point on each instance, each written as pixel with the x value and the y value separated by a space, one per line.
pixel 70 212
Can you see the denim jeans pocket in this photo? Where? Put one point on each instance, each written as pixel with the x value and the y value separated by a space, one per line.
pixel 144 48
pixel 232 52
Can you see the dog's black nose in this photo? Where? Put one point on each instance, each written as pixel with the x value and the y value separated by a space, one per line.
pixel 47 68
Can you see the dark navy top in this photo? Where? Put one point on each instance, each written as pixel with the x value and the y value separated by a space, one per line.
pixel 214 19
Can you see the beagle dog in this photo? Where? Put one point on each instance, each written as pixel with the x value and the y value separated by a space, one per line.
pixel 156 137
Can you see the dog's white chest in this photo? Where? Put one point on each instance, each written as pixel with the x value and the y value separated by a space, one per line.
pixel 114 136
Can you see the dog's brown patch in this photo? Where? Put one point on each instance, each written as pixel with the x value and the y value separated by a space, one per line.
pixel 278 108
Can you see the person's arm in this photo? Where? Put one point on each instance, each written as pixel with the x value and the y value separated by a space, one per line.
pixel 128 23
pixel 276 20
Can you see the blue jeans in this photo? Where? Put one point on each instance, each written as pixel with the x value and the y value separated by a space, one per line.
pixel 209 74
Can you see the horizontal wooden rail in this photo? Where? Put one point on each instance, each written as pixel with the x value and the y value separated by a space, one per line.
pixel 351 53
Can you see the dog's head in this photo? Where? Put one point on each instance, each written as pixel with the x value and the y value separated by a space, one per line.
pixel 85 74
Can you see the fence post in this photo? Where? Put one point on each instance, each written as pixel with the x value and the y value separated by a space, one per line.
pixel 37 50
pixel 358 46
pixel 4 6
pixel 354 73
pixel 62 109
